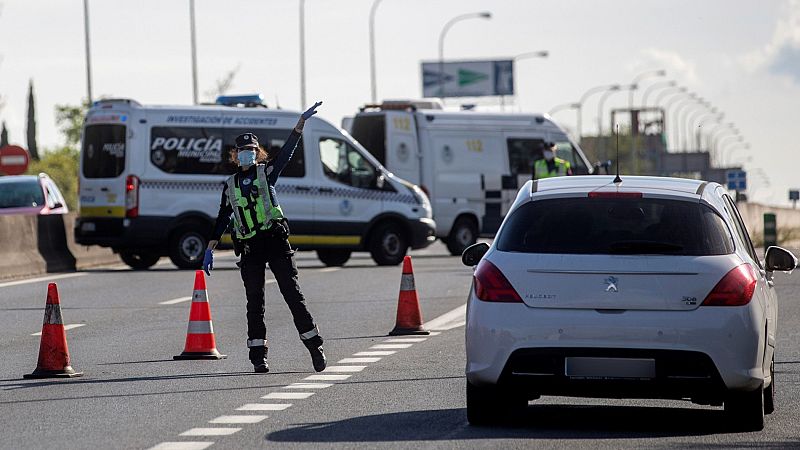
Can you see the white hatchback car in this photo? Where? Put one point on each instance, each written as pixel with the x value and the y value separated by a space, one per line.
pixel 648 288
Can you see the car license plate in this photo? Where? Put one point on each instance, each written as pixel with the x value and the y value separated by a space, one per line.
pixel 609 368
pixel 87 227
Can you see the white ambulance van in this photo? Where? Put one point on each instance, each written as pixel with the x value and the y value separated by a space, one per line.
pixel 151 178
pixel 470 163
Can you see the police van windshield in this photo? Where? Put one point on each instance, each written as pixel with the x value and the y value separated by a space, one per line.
pixel 103 151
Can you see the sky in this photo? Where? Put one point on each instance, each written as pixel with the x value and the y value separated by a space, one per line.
pixel 742 56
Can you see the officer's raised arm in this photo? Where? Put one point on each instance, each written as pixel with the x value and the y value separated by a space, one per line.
pixel 280 160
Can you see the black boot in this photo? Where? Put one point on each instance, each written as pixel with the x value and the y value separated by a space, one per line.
pixel 314 346
pixel 258 356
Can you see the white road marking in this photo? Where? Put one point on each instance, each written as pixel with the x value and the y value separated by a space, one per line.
pixel 48 279
pixel 340 369
pixel 308 386
pixel 182 445
pixel 378 353
pixel 327 377
pixel 358 360
pixel 435 333
pixel 264 407
pixel 238 419
pixel 389 346
pixel 176 300
pixel 408 339
pixel 66 327
pixel 449 320
pixel 330 269
pixel 210 431
pixel 287 395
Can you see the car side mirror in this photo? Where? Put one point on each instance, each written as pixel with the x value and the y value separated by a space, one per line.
pixel 57 205
pixel 473 254
pixel 779 259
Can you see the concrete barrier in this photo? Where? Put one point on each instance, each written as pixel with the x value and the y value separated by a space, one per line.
pixel 19 247
pixel 86 256
pixel 788 221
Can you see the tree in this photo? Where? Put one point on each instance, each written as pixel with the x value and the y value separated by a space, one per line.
pixel 31 125
pixel 69 118
pixel 222 85
pixel 4 135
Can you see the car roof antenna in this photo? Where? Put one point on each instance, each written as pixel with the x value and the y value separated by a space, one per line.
pixel 617 179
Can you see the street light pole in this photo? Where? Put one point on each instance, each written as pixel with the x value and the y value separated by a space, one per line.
pixel 302 54
pixel 563 106
pixel 699 133
pixel 656 86
pixel 445 29
pixel 690 119
pixel 373 82
pixel 635 85
pixel 526 55
pixel 194 51
pixel 583 99
pixel 88 50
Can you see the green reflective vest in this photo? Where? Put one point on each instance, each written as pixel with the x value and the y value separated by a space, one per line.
pixel 540 169
pixel 253 212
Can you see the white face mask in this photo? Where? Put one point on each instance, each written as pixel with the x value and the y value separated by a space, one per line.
pixel 247 157
pixel 548 155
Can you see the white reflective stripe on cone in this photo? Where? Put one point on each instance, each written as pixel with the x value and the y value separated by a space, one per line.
pixel 200 296
pixel 200 327
pixel 309 334
pixel 407 282
pixel 52 315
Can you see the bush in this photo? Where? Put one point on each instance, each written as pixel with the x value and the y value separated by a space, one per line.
pixel 62 166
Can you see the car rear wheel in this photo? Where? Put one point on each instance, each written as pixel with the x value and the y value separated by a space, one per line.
pixel 746 410
pixel 463 234
pixel 769 392
pixel 139 260
pixel 388 245
pixel 333 257
pixel 187 247
pixel 487 405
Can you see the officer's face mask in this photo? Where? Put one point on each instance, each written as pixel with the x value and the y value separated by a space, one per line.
pixel 247 157
pixel 548 155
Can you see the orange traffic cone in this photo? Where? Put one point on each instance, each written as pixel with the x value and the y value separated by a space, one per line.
pixel 200 342
pixel 409 316
pixel 53 351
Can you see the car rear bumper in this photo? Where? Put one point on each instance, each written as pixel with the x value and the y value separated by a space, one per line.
pixel 725 343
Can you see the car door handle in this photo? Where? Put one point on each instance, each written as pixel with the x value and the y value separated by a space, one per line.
pixel 302 188
pixel 323 189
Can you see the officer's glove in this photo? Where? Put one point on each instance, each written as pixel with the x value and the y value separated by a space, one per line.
pixel 311 111
pixel 208 261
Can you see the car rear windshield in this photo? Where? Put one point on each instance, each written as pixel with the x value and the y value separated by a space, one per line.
pixel 103 151
pixel 615 226
pixel 21 194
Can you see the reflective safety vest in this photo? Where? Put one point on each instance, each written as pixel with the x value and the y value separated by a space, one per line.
pixel 540 169
pixel 253 212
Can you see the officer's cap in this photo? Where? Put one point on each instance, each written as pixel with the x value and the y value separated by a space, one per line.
pixel 247 140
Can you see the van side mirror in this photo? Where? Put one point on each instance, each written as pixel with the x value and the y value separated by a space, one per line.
pixel 473 254
pixel 780 259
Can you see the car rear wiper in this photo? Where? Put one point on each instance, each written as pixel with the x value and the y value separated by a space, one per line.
pixel 638 247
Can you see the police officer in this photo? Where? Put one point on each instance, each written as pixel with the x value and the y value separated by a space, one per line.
pixel 550 165
pixel 262 233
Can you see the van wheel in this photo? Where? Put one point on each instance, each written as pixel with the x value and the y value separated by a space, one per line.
pixel 463 234
pixel 139 260
pixel 333 256
pixel 746 409
pixel 388 245
pixel 187 248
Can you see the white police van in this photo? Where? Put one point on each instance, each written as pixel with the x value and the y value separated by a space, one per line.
pixel 470 163
pixel 151 179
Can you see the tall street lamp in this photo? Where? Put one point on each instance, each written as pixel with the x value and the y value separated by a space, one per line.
pixel 194 51
pixel 655 86
pixel 373 82
pixel 681 105
pixel 717 119
pixel 635 84
pixel 691 118
pixel 585 97
pixel 563 106
pixel 602 101
pixel 477 15
pixel 302 54
pixel 88 50
pixel 526 55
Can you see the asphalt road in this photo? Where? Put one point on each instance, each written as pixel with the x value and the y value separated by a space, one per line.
pixel 133 395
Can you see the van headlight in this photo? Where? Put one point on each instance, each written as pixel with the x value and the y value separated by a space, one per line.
pixel 421 199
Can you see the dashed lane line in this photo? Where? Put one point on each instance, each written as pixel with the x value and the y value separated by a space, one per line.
pixel 264 407
pixel 182 446
pixel 308 386
pixel 329 269
pixel 376 353
pixel 210 431
pixel 327 377
pixel 390 346
pixel 405 340
pixel 66 327
pixel 176 300
pixel 358 360
pixel 238 419
pixel 48 279
pixel 288 395
pixel 449 320
pixel 344 369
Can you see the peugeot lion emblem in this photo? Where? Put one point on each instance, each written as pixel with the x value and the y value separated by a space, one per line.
pixel 611 284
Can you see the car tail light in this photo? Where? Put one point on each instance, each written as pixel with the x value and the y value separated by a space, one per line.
pixel 595 194
pixel 131 196
pixel 492 286
pixel 736 288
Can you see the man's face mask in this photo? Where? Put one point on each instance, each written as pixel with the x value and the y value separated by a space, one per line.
pixel 247 157
pixel 548 155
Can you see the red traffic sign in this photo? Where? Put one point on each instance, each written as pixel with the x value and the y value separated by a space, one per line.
pixel 13 160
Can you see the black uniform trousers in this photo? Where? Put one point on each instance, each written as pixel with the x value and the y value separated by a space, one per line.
pixel 273 248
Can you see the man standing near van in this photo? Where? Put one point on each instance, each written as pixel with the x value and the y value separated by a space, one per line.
pixel 263 235
pixel 550 165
